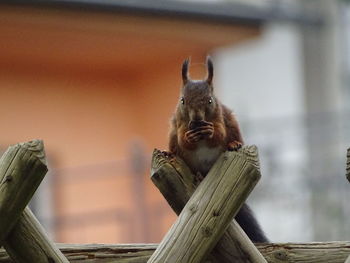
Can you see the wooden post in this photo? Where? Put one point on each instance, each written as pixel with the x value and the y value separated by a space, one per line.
pixel 176 182
pixel 22 168
pixel 210 209
pixel 28 242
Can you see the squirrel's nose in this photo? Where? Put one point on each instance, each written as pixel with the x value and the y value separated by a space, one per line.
pixel 196 115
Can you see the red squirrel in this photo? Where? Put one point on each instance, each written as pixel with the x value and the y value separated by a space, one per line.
pixel 201 129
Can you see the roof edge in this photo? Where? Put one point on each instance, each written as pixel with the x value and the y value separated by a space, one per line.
pixel 231 13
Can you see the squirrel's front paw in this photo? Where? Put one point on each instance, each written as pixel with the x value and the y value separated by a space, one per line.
pixel 234 146
pixel 200 133
pixel 192 136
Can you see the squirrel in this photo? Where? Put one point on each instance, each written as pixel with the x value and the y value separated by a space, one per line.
pixel 201 129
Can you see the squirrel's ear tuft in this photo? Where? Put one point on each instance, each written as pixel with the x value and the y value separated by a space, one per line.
pixel 210 69
pixel 185 70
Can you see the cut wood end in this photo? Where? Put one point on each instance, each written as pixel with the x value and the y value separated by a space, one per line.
pixel 160 158
pixel 250 152
pixel 37 147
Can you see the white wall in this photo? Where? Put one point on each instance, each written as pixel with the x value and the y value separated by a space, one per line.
pixel 266 72
pixel 263 82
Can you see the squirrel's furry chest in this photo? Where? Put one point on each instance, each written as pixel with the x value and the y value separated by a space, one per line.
pixel 203 157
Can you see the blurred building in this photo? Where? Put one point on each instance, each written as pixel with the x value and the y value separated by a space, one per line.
pixel 291 93
pixel 99 80
pixel 98 83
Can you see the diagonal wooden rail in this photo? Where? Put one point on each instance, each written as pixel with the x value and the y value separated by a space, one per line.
pixel 210 208
pixel 22 168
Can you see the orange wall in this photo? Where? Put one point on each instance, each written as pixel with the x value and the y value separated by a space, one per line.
pixel 89 120
pixel 94 116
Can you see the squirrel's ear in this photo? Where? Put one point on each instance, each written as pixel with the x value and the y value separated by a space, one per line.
pixel 185 70
pixel 210 69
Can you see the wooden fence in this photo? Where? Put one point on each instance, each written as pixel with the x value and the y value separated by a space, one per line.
pixel 205 230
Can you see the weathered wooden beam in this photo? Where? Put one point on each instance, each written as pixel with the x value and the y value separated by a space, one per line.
pixel 210 209
pixel 22 167
pixel 28 242
pixel 348 165
pixel 320 252
pixel 177 183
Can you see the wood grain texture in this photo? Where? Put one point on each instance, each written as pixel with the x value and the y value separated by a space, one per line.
pixel 28 242
pixel 21 171
pixel 174 180
pixel 320 252
pixel 210 209
pixel 317 252
pixel 176 183
pixel 22 168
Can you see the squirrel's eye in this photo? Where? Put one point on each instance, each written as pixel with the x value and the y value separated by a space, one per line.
pixel 182 101
pixel 210 101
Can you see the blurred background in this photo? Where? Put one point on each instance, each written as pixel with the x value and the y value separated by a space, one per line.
pixel 99 80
